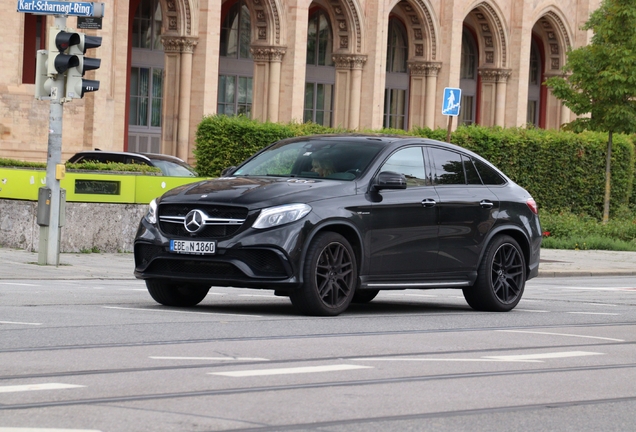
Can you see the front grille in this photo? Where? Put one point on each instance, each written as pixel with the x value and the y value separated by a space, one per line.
pixel 171 218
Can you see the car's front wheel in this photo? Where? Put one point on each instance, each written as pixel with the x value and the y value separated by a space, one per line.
pixel 176 294
pixel 330 277
pixel 501 277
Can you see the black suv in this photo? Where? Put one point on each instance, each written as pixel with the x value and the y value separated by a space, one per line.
pixel 169 165
pixel 328 220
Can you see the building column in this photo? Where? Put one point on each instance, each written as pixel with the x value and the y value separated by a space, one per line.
pixel 422 93
pixel 432 70
pixel 493 92
pixel 348 90
pixel 266 82
pixel 185 96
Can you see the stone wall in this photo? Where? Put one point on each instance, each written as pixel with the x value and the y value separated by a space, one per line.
pixel 106 227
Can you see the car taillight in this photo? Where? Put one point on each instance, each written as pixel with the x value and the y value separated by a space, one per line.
pixel 532 205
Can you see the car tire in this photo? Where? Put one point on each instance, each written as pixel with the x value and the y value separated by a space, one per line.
pixel 176 294
pixel 330 277
pixel 364 296
pixel 501 277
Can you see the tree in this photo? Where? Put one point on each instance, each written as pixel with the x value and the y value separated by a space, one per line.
pixel 600 78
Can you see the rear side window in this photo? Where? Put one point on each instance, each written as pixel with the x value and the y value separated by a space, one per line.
pixel 448 168
pixel 488 175
pixel 472 177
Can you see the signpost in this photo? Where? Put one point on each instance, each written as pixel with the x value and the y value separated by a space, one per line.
pixel 59 79
pixel 450 106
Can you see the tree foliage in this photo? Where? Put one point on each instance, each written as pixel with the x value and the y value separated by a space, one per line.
pixel 600 77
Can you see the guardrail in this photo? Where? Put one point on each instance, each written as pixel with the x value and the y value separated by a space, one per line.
pixel 91 186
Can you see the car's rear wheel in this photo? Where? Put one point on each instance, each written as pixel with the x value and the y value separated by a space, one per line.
pixel 330 277
pixel 364 296
pixel 176 294
pixel 501 277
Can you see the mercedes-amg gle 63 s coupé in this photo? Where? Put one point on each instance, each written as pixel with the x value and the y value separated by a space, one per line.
pixel 332 219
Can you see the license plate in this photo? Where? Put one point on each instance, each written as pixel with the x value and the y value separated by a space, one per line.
pixel 193 247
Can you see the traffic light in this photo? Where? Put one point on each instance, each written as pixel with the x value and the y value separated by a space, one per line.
pixel 60 60
pixel 76 85
pixel 42 80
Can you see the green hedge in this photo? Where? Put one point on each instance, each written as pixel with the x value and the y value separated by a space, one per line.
pixel 562 170
pixel 85 166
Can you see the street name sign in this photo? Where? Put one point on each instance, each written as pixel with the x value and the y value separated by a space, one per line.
pixel 45 7
pixel 452 101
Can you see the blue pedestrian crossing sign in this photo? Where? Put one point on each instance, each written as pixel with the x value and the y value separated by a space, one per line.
pixel 452 101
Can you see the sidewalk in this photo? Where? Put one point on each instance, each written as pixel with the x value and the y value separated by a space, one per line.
pixel 20 264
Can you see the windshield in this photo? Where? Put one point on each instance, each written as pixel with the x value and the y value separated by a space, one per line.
pixel 173 169
pixel 329 159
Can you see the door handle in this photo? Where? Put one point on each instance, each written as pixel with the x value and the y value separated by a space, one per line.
pixel 486 204
pixel 429 202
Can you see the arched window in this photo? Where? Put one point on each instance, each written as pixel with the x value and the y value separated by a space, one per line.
pixel 320 73
pixel 146 79
pixel 397 79
pixel 236 65
pixel 468 78
pixel 534 84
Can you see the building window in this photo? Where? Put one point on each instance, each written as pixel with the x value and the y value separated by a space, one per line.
pixel 320 74
pixel 236 32
pixel 534 85
pixel 318 103
pixel 146 79
pixel 319 40
pixel 34 40
pixel 235 95
pixel 397 80
pixel 236 66
pixel 147 26
pixel 468 78
pixel 146 96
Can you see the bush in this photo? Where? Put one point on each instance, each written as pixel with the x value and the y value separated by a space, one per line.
pixel 564 171
pixel 566 230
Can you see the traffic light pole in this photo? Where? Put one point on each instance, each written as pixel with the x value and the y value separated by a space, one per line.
pixel 49 245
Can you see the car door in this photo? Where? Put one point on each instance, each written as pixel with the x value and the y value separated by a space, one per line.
pixel 403 234
pixel 467 210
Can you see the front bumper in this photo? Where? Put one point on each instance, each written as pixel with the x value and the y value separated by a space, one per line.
pixel 251 259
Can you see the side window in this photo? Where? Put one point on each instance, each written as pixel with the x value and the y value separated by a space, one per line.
pixel 472 177
pixel 448 168
pixel 488 175
pixel 410 162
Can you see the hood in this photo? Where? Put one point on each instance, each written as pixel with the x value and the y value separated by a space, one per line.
pixel 259 192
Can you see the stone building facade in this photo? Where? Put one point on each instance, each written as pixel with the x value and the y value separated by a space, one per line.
pixel 358 64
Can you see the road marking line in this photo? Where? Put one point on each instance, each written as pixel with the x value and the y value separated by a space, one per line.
pixel 209 358
pixel 19 323
pixel 601 304
pixel 29 429
pixel 181 312
pixel 592 313
pixel 409 295
pixel 483 359
pixel 262 295
pixel 544 355
pixel 531 310
pixel 18 284
pixel 33 387
pixel 600 288
pixel 286 371
pixel 562 334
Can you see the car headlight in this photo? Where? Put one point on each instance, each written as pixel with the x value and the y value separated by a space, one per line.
pixel 151 216
pixel 280 215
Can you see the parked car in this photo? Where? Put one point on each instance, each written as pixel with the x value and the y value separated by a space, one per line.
pixel 391 213
pixel 169 165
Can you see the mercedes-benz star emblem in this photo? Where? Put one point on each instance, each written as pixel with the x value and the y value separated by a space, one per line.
pixel 193 221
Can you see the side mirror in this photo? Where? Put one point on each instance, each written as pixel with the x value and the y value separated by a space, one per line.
pixel 228 171
pixel 389 180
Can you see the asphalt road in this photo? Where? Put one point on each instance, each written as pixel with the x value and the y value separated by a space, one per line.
pixel 101 355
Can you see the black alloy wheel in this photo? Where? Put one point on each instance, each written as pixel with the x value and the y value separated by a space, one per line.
pixel 176 294
pixel 330 277
pixel 501 277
